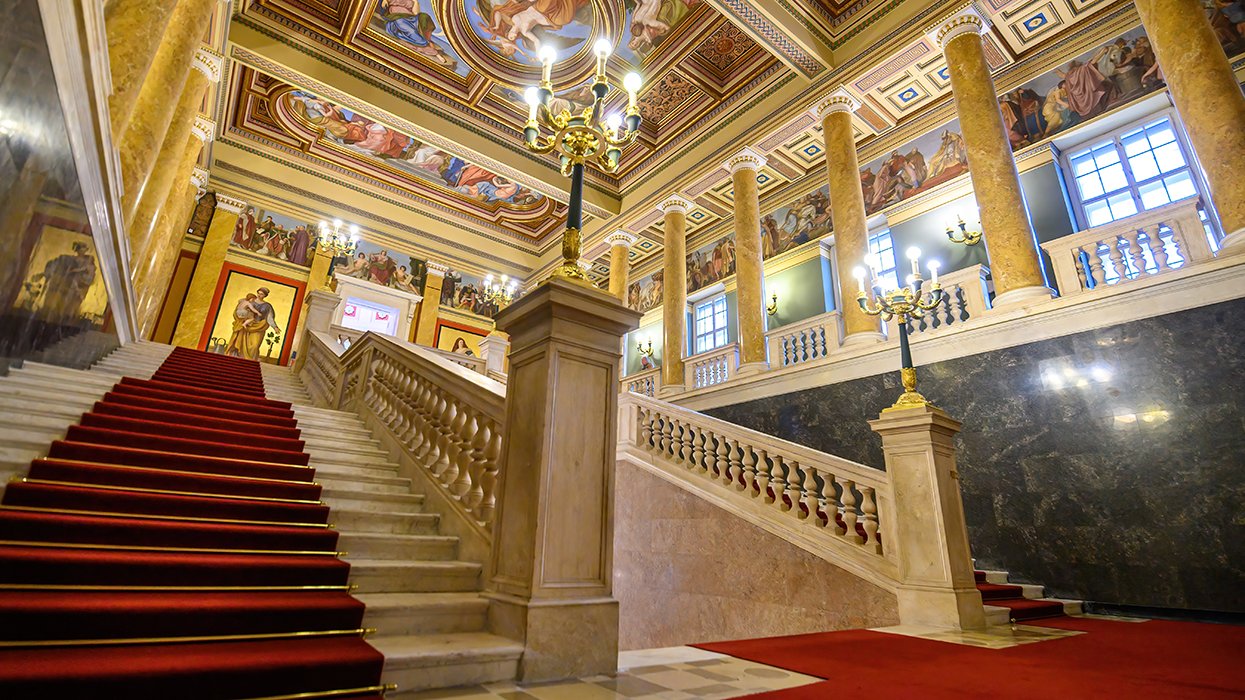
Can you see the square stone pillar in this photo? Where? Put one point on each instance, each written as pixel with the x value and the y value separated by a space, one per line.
pixel 552 565
pixel 321 305
pixel 493 350
pixel 935 564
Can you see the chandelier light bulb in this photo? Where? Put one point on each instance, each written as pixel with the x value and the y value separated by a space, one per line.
pixel 602 48
pixel 547 55
pixel 337 223
pixel 858 272
pixel 613 121
pixel 914 253
pixel 354 229
pixel 933 271
pixel 632 82
pixel 531 96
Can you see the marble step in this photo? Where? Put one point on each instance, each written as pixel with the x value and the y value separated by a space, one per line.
pixel 326 413
pixel 350 499
pixel 41 387
pixel 355 446
pixel 348 458
pixel 77 376
pixel 44 407
pixel 421 662
pixel 370 545
pixel 352 423
pixel 324 432
pixel 350 520
pixel 21 421
pixel 349 471
pixel 394 576
pixel 424 613
pixel 355 486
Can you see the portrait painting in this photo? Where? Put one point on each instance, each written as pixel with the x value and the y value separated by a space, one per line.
pixel 458 338
pixel 414 26
pixel 805 219
pixel 253 315
pixel 711 263
pixel 645 293
pixel 274 235
pixel 388 268
pixel 62 283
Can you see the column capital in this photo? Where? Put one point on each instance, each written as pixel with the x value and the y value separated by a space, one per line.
pixel 436 269
pixel 621 238
pixel 199 178
pixel 209 63
pixel 676 203
pixel 746 159
pixel 838 101
pixel 203 129
pixel 233 205
pixel 967 21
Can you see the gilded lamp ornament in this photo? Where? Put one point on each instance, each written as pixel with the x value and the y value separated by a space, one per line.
pixel 963 235
pixel 336 242
pixel 579 138
pixel 903 304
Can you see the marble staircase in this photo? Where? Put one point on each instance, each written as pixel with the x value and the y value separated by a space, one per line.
pixel 1000 615
pixel 422 599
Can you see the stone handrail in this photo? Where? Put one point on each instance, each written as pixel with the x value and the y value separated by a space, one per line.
pixel 645 383
pixel 804 341
pixel 446 418
pixel 831 506
pixel 1149 243
pixel 713 367
pixel 471 362
pixel 966 295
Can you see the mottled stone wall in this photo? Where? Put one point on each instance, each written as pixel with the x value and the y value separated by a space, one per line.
pixel 686 571
pixel 1108 465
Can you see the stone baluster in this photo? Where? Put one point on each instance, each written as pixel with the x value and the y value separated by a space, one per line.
pixel 1158 249
pixel 445 442
pixel 869 511
pixel 795 490
pixel 778 482
pixel 763 476
pixel 1117 258
pixel 663 426
pixel 488 480
pixel 736 465
pixel 1096 272
pixel 426 428
pixel 1135 256
pixel 749 460
pixel 698 448
pixel 467 428
pixel 850 516
pixel 432 454
pixel 646 428
pixel 811 502
pixel 831 497
pixel 479 463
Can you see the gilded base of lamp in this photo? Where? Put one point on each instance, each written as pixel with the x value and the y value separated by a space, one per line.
pixel 571 272
pixel 910 398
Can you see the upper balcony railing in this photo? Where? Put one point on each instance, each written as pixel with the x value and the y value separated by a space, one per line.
pixel 713 367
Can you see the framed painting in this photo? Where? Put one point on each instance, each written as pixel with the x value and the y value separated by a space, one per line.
pixel 253 315
pixel 456 337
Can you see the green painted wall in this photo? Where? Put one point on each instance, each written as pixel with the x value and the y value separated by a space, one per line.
pixel 631 356
pixel 801 292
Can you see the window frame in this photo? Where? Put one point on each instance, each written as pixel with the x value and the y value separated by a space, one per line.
pixel 712 334
pixel 1115 135
pixel 877 235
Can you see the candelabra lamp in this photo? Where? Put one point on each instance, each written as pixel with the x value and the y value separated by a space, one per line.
pixel 579 138
pixel 645 347
pixel 499 294
pixel 903 304
pixel 963 235
pixel 335 242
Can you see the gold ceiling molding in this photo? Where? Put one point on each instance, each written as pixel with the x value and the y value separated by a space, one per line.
pixel 344 99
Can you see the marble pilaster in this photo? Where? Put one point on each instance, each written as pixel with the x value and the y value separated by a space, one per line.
pixel 207 271
pixel 1209 99
pixel 1012 245
pixel 170 228
pixel 674 294
pixel 847 210
pixel 321 304
pixel 552 554
pixel 620 245
pixel 749 269
pixel 134 29
pixel 158 98
pixel 430 305
pixel 317 280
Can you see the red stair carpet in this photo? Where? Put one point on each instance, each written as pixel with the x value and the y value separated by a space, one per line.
pixel 1135 660
pixel 1012 597
pixel 174 545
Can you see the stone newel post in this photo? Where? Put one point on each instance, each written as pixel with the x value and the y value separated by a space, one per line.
pixel 321 304
pixel 552 556
pixel 493 350
pixel 935 565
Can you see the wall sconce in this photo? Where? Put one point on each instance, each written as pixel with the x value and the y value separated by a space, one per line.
pixel 963 235
pixel 772 308
pixel 645 349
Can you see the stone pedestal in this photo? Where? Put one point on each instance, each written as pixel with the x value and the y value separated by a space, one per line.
pixel 935 564
pixel 493 350
pixel 430 307
pixel 620 247
pixel 674 295
pixel 318 316
pixel 749 257
pixel 552 556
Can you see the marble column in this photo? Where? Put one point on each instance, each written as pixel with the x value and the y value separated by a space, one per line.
pixel 158 98
pixel 552 554
pixel 1209 99
pixel 207 272
pixel 928 529
pixel 171 228
pixel 674 295
pixel 749 261
pixel 620 245
pixel 1011 243
pixel 847 212
pixel 144 255
pixel 134 29
pixel 430 305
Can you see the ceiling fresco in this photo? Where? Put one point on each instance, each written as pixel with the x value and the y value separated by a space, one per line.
pixel 476 57
pixel 300 124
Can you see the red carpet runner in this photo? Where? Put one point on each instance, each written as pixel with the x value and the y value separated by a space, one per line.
pixel 1005 595
pixel 173 545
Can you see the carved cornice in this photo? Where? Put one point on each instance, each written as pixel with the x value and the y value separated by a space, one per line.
pixel 746 159
pixel 436 269
pixel 966 22
pixel 199 177
pixel 203 129
pixel 621 238
pixel 233 205
pixel 838 101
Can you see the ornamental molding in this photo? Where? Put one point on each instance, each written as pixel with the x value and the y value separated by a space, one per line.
pixel 969 21
pixel 199 177
pixel 746 159
pixel 674 203
pixel 838 101
pixel 436 269
pixel 209 63
pixel 203 129
pixel 233 205
pixel 621 238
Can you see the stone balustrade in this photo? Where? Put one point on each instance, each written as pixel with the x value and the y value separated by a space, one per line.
pixel 845 508
pixel 713 367
pixel 804 341
pixel 1150 243
pixel 965 296
pixel 645 383
pixel 446 417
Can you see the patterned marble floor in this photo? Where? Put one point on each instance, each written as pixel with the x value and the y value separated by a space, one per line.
pixel 677 673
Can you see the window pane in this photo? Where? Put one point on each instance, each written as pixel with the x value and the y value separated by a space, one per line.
pixel 1090 186
pixel 1135 143
pixel 1180 186
pixel 1122 205
pixel 1098 213
pixel 1160 133
pixel 1170 157
pixel 1153 194
pixel 1106 155
pixel 1113 178
pixel 1082 163
pixel 1144 166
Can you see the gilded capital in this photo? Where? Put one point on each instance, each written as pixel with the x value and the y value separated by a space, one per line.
pixel 838 101
pixel 747 159
pixel 199 178
pixel 621 238
pixel 209 63
pixel 436 269
pixel 969 21
pixel 233 205
pixel 203 129
pixel 674 203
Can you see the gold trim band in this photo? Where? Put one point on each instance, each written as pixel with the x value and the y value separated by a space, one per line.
pixel 147 516
pixel 166 492
pixel 162 470
pixel 145 548
pixel 381 689
pixel 362 632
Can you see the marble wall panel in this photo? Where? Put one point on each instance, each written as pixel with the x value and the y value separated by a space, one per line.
pixel 687 571
pixel 1106 465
